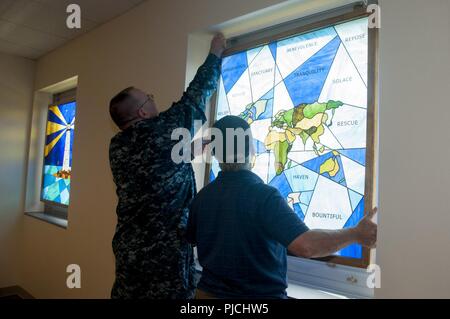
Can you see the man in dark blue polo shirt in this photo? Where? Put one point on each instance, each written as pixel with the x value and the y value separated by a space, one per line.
pixel 243 228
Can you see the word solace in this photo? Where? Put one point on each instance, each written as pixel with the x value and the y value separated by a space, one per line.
pixel 228 309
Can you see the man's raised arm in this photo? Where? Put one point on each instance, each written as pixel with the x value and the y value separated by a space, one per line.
pixel 191 106
pixel 206 79
pixel 322 243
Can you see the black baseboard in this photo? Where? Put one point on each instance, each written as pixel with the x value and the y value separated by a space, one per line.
pixel 14 292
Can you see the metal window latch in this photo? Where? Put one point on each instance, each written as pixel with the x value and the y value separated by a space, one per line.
pixel 351 279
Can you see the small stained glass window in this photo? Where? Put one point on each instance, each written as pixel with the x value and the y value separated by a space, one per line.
pixel 58 153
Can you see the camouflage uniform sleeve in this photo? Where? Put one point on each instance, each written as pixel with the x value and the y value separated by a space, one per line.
pixel 192 105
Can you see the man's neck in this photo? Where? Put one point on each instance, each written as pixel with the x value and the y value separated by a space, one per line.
pixel 235 167
pixel 131 123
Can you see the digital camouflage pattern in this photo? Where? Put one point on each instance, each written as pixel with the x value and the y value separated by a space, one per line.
pixel 153 258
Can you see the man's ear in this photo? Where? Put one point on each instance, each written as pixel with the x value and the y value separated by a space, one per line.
pixel 142 113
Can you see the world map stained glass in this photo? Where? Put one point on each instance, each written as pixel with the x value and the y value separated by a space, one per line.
pixel 305 98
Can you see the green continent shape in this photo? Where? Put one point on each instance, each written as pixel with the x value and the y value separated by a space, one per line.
pixel 312 110
pixel 289 119
pixel 317 134
pixel 284 118
pixel 281 151
pixel 298 115
pixel 304 137
pixel 330 166
pixel 334 104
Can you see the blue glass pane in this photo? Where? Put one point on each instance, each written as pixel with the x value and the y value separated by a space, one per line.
pixel 232 69
pixel 305 84
pixel 58 153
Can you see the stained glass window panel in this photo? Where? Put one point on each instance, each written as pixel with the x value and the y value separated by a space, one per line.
pixel 58 153
pixel 305 99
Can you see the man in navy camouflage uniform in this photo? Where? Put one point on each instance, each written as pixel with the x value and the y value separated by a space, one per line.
pixel 153 259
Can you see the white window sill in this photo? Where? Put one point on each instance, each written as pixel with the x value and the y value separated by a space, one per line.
pixel 300 292
pixel 60 222
pixel 322 280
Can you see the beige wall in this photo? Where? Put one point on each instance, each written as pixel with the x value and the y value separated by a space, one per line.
pixel 414 237
pixel 16 91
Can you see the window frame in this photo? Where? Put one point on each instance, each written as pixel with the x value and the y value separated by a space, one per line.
pixel 320 21
pixel 52 208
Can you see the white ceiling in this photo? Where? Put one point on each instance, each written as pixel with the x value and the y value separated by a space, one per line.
pixel 31 28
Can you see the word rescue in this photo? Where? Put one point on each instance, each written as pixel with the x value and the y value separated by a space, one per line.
pixel 227 309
